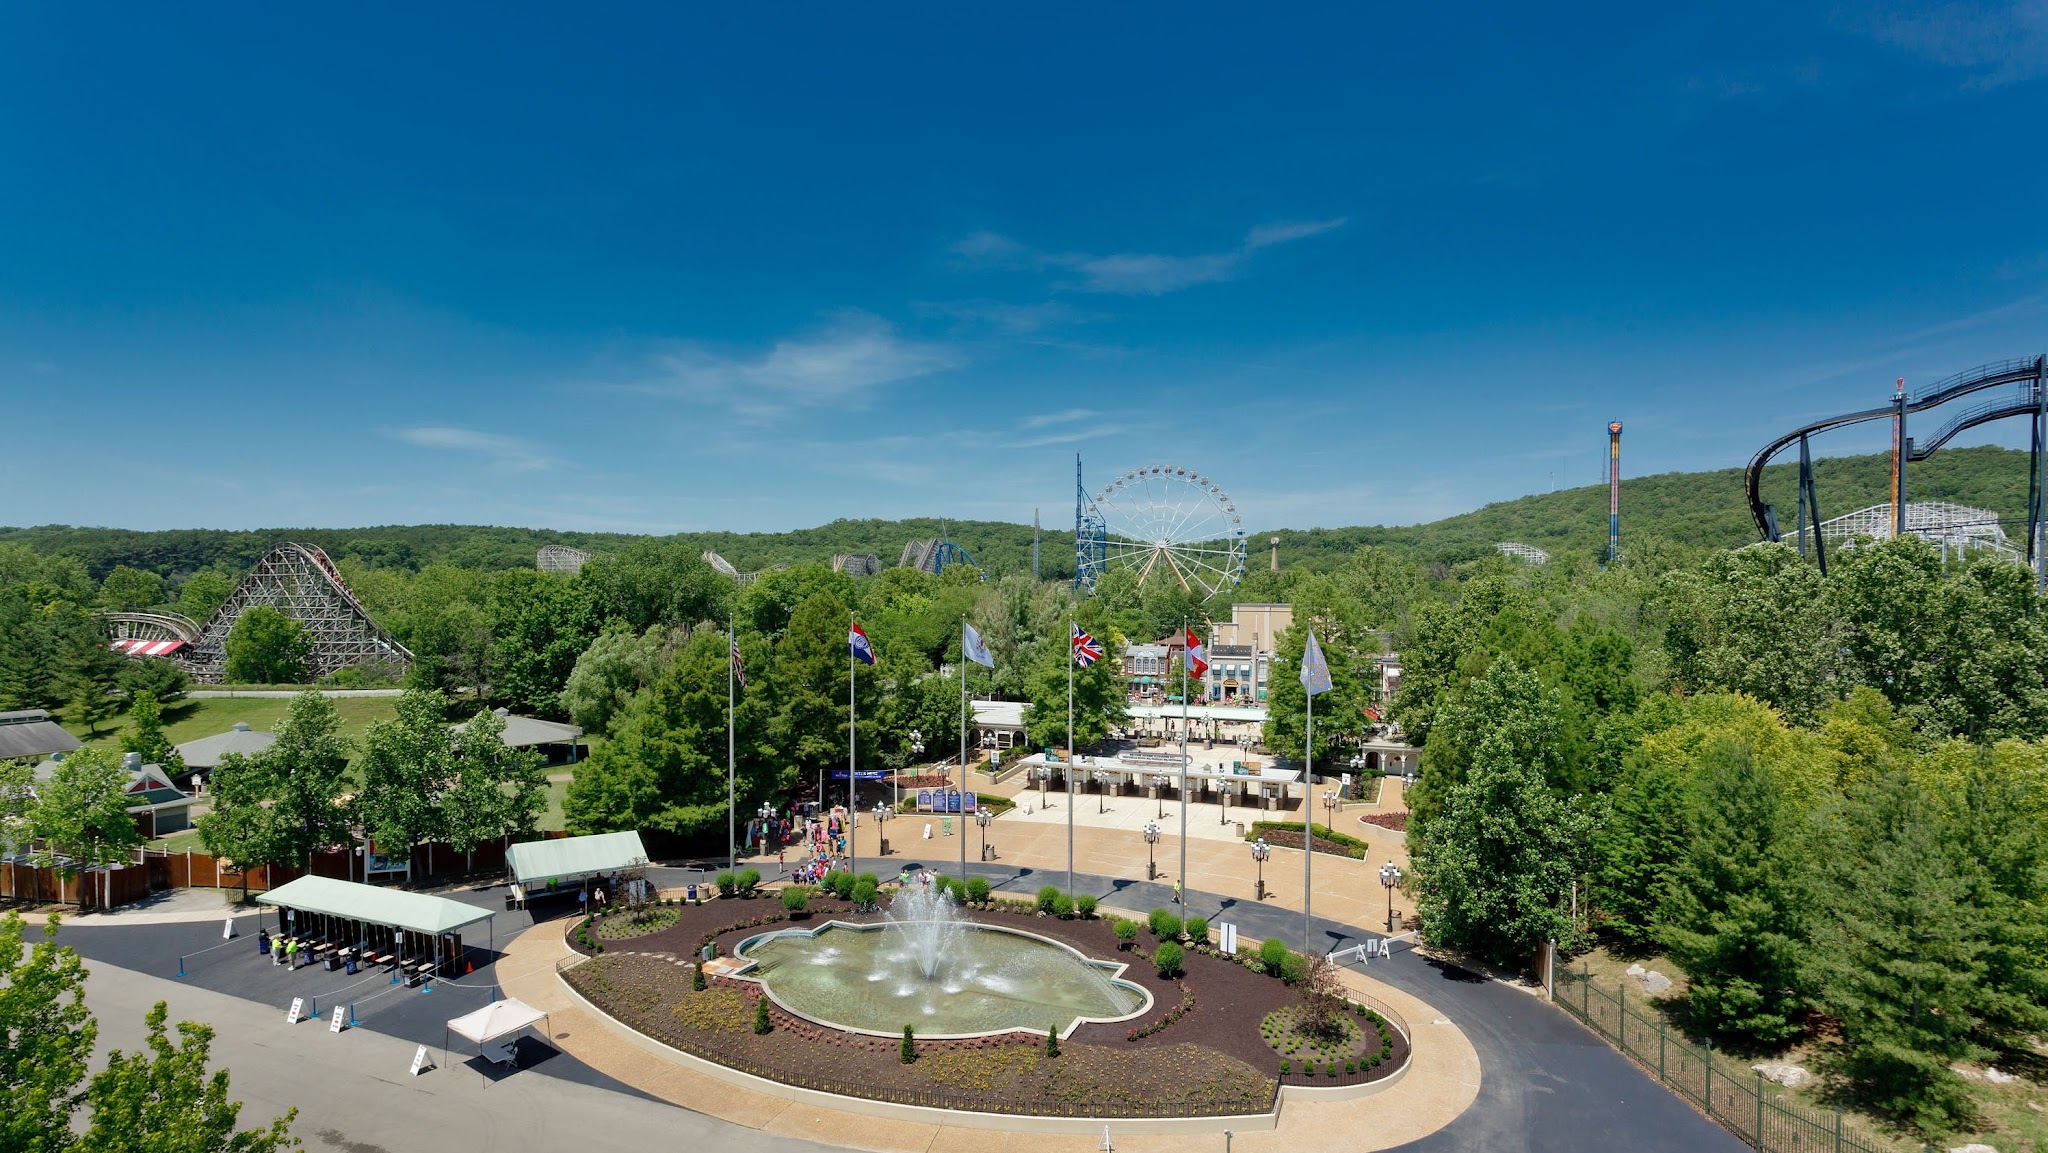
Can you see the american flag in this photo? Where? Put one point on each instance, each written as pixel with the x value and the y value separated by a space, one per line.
pixel 739 667
pixel 1086 651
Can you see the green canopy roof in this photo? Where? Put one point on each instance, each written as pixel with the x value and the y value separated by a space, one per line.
pixel 573 858
pixel 395 908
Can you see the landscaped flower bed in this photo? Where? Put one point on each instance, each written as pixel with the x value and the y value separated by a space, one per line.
pixel 1200 1053
pixel 627 923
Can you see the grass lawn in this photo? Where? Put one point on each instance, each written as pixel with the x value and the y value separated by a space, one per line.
pixel 191 719
pixel 552 819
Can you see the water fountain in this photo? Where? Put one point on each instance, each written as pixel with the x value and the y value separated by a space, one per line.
pixel 928 920
pixel 928 966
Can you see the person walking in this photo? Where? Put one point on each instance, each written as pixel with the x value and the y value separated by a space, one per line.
pixel 291 953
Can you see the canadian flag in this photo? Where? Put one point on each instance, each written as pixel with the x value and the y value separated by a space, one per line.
pixel 1198 660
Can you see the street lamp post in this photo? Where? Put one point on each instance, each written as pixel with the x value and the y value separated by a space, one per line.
pixel 1390 877
pixel 1260 851
pixel 1159 791
pixel 1044 775
pixel 1151 840
pixel 1331 799
pixel 982 817
pixel 1101 787
pixel 881 830
pixel 916 757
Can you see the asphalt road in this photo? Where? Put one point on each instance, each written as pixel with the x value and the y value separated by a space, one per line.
pixel 1548 1085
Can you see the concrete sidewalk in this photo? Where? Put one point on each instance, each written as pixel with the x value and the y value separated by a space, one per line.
pixel 1440 1084
pixel 354 1095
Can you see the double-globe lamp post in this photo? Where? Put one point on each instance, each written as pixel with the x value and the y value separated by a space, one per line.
pixel 1151 839
pixel 1260 851
pixel 1390 876
pixel 1159 783
pixel 982 817
pixel 1101 787
pixel 882 830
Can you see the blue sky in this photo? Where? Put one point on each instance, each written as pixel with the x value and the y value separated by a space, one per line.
pixel 758 267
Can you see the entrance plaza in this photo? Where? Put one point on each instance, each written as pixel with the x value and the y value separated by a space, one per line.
pixel 1493 1066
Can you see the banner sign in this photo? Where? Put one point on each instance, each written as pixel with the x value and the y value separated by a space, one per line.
pixel 298 1010
pixel 340 1018
pixel 864 774
pixel 944 801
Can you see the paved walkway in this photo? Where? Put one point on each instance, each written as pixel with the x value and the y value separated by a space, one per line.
pixel 1442 1081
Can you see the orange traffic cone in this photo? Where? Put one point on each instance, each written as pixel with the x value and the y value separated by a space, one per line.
pixel 470 968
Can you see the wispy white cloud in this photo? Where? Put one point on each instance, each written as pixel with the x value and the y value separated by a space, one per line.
pixel 841 365
pixel 1997 43
pixel 504 451
pixel 1138 273
pixel 1066 416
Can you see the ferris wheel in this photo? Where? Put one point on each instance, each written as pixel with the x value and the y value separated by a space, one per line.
pixel 1168 523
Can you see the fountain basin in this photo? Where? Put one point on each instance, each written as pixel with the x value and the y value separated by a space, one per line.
pixel 871 979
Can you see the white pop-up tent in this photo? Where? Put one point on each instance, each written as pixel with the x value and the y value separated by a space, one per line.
pixel 493 1023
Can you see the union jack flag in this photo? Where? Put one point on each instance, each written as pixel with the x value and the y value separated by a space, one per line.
pixel 739 667
pixel 1086 651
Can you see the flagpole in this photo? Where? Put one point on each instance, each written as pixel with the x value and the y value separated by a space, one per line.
pixel 731 797
pixel 1071 626
pixel 1308 827
pixel 852 805
pixel 960 818
pixel 1181 885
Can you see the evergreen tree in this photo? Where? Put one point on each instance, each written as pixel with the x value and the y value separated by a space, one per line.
pixel 1643 835
pixel 1900 954
pixel 145 734
pixel 1731 917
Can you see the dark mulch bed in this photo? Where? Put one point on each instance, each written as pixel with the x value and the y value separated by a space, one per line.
pixel 1395 821
pixel 1209 1060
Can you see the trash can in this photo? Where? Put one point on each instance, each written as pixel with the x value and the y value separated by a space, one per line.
pixel 351 966
pixel 693 893
pixel 710 952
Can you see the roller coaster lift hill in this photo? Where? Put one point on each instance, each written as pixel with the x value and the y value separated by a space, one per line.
pixel 2027 380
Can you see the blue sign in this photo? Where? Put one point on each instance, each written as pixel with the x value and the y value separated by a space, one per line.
pixel 864 774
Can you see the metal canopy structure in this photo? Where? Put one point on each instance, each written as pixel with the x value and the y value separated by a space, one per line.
pixel 391 908
pixel 300 582
pixel 575 858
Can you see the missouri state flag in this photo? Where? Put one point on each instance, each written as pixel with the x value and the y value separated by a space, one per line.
pixel 857 643
pixel 1198 657
pixel 1086 651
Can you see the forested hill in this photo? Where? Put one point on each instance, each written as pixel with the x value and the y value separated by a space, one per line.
pixel 1701 509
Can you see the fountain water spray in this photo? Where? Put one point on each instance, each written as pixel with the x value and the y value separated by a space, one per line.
pixel 929 923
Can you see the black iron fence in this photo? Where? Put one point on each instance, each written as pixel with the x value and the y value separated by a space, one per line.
pixel 1729 1092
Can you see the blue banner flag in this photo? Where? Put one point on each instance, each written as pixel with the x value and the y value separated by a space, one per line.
pixel 1315 671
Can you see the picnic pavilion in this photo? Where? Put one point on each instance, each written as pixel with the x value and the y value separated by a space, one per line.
pixel 339 922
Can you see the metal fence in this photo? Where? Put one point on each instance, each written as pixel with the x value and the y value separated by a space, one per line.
pixel 1739 1099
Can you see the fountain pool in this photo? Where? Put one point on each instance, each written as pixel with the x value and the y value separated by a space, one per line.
pixel 941 975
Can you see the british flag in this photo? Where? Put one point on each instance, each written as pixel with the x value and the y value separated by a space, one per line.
pixel 1086 651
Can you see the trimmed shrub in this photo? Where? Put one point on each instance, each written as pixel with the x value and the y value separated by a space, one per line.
pixel 977 889
pixel 697 976
pixel 1286 1067
pixel 841 884
pixel 1048 897
pixel 1198 930
pixel 1126 931
pixel 1063 907
pixel 1294 970
pixel 1168 957
pixel 796 898
pixel 1052 1042
pixel 1272 954
pixel 762 1025
pixel 1165 924
pixel 728 883
pixel 864 892
pixel 1085 905
pixel 748 881
pixel 909 1051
